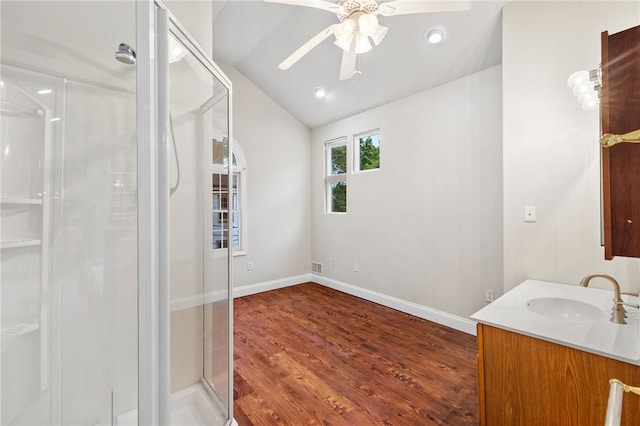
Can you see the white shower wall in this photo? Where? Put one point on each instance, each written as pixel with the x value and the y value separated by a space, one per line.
pixel 95 253
pixel 88 349
pixel 24 145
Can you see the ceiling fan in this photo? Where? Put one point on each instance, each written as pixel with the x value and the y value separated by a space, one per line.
pixel 359 24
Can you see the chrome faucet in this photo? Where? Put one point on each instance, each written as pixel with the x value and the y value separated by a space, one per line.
pixel 618 313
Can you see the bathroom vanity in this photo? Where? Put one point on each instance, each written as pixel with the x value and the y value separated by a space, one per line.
pixel 547 352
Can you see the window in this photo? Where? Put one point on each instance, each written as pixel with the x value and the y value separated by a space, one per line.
pixel 219 220
pixel 366 151
pixel 228 200
pixel 336 175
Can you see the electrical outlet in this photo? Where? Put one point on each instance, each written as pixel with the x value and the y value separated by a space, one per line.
pixel 488 295
pixel 333 262
pixel 356 267
pixel 529 213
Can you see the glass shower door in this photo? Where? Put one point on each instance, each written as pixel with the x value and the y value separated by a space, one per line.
pixel 199 247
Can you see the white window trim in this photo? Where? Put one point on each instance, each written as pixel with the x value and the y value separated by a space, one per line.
pixel 331 178
pixel 356 150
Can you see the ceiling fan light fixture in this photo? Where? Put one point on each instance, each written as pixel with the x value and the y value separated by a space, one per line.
pixel 362 44
pixel 379 35
pixel 344 44
pixel 435 35
pixel 348 26
pixel 344 34
pixel 367 24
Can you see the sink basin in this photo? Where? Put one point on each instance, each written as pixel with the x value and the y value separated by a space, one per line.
pixel 567 309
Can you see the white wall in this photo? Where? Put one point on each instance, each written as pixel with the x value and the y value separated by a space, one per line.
pixel 427 227
pixel 551 151
pixel 276 147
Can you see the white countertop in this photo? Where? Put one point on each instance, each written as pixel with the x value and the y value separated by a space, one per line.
pixel 599 336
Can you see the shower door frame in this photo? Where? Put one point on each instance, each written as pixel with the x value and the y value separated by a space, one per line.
pixel 152 28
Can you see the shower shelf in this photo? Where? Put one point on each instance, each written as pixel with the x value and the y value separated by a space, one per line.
pixel 21 201
pixel 18 330
pixel 19 243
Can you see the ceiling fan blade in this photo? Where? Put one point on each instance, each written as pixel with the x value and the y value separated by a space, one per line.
pixel 348 67
pixel 305 48
pixel 406 7
pixel 317 4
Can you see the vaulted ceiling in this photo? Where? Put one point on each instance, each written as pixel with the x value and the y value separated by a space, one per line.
pixel 255 36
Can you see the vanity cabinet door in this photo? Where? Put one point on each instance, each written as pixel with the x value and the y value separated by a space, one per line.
pixel 530 382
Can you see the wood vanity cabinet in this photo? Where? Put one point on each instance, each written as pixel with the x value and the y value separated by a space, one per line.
pixel 531 382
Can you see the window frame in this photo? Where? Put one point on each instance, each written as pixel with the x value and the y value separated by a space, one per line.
pixel 334 178
pixel 356 150
pixel 238 170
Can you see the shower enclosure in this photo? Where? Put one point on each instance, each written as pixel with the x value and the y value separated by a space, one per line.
pixel 115 304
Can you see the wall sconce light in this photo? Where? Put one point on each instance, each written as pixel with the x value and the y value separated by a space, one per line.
pixel 586 88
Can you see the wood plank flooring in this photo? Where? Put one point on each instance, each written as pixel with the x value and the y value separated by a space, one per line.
pixel 310 355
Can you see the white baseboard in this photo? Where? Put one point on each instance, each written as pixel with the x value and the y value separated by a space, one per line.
pixel 247 290
pixel 458 323
pixel 461 324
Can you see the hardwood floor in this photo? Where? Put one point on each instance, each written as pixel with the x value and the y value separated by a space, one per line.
pixel 310 355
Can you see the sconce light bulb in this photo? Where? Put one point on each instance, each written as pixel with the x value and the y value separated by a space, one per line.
pixel 581 89
pixel 590 106
pixel 589 101
pixel 577 78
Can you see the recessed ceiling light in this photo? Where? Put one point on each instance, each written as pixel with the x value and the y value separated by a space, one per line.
pixel 320 92
pixel 44 91
pixel 435 35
